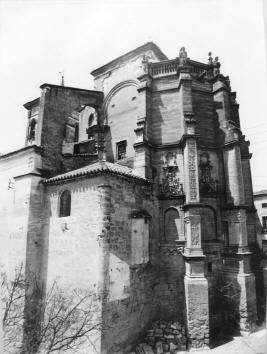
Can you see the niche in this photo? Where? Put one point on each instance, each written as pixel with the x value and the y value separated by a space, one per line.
pixel 172 225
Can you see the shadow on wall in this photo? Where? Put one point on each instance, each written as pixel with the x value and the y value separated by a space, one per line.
pixel 258 261
pixel 224 309
pixel 36 266
pixel 172 266
pixel 130 303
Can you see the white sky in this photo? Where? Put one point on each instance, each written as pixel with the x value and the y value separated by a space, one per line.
pixel 39 38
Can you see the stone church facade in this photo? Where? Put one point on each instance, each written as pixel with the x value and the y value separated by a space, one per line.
pixel 140 188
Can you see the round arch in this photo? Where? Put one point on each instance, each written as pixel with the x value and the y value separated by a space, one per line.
pixel 64 203
pixel 113 91
pixel 172 224
pixel 208 223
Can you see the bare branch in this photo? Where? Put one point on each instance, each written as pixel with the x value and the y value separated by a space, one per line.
pixel 68 319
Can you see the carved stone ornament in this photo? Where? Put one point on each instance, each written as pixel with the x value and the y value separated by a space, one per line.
pixel 145 64
pixel 11 183
pixel 195 235
pixel 170 183
pixel 171 250
pixel 210 59
pixel 192 170
pixel 207 183
pixel 217 66
pixel 182 56
pixel 215 63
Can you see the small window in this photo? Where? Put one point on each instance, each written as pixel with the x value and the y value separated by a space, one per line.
pixel 32 127
pixel 210 267
pixel 65 204
pixel 121 150
pixel 264 223
pixel 264 205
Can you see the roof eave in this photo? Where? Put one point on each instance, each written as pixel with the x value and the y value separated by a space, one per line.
pixel 72 88
pixel 33 103
pixel 36 148
pixel 126 56
pixel 91 174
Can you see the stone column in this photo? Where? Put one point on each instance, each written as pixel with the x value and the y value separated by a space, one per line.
pixel 196 285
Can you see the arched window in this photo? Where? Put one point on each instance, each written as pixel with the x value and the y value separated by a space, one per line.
pixel 172 224
pixel 32 127
pixel 65 204
pixel 91 120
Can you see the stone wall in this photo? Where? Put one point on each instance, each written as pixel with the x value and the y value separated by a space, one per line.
pixel 56 105
pixel 123 70
pixel 17 192
pixel 122 112
pixel 171 283
pixel 203 107
pixel 75 255
pixel 166 113
pixel 132 301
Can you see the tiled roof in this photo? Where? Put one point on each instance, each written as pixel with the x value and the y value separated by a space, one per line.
pixel 98 168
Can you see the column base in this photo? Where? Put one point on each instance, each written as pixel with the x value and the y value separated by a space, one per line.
pixel 241 301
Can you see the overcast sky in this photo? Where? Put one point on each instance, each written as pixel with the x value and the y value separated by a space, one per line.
pixel 40 38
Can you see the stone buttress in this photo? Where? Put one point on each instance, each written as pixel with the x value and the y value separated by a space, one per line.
pixel 195 282
pixel 239 281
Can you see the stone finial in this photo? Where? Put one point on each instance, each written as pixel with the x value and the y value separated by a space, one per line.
pixel 217 66
pixel 210 59
pixel 183 56
pixel 11 183
pixel 62 78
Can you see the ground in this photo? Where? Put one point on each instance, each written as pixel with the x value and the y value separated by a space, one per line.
pixel 252 344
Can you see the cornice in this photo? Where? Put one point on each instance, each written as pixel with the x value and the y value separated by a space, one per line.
pixel 24 150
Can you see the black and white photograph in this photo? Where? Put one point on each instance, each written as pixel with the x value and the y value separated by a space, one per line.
pixel 133 176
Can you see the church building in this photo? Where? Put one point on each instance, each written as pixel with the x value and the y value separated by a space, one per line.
pixel 139 189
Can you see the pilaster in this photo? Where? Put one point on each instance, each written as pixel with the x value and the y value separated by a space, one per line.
pixel 196 285
pixel 142 151
pixel 104 191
